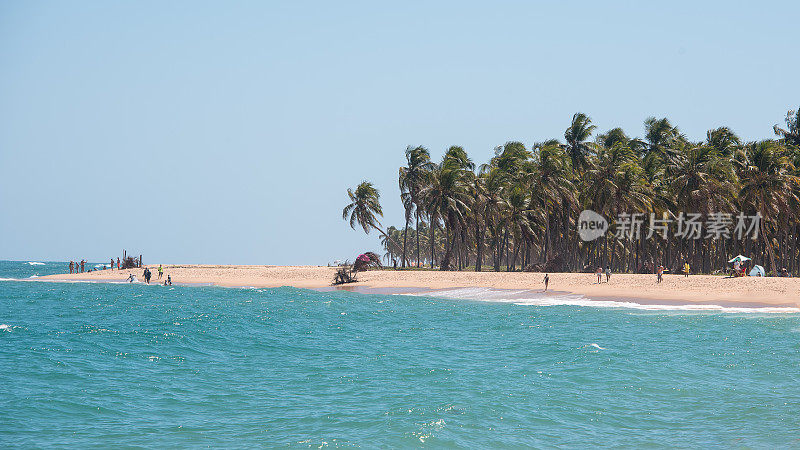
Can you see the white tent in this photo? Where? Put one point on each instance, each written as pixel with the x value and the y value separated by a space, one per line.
pixel 757 271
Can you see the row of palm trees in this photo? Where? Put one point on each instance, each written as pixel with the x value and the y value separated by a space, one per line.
pixel 519 210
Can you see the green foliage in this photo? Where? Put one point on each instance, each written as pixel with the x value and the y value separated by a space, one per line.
pixel 520 208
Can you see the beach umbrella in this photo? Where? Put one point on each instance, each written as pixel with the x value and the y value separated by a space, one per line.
pixel 757 271
pixel 739 258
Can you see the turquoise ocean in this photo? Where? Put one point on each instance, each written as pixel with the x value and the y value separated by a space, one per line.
pixel 111 365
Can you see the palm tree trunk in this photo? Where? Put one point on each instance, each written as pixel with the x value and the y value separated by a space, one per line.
pixel 793 260
pixel 405 233
pixel 433 243
pixel 417 233
pixel 768 244
pixel 389 239
pixel 479 245
pixel 449 243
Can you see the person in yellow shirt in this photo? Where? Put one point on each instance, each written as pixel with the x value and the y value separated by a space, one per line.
pixel 686 269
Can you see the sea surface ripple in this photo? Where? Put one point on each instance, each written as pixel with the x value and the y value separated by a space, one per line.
pixel 111 365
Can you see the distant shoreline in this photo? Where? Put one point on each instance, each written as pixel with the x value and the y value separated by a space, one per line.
pixel 641 288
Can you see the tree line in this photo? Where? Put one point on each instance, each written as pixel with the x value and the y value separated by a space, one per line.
pixel 519 210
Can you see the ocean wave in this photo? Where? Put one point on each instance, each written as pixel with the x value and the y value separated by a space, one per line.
pixel 4 327
pixel 35 263
pixel 531 298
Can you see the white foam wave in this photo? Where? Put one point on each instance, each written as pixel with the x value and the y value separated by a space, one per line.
pixel 532 298
pixel 35 263
pixel 4 327
pixel 597 346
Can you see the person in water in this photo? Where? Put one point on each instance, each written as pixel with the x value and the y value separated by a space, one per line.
pixel 131 278
pixel 169 280
pixel 546 281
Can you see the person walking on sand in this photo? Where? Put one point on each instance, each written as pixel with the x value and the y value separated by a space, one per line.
pixel 608 273
pixel 660 272
pixel 599 274
pixel 686 269
pixel 160 271
pixel 117 262
pixel 111 266
pixel 546 281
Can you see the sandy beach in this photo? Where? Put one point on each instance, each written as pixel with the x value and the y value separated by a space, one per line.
pixel 676 289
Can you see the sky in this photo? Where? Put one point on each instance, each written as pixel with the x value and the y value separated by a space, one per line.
pixel 229 132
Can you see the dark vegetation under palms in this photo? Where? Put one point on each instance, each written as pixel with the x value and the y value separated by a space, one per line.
pixel 519 210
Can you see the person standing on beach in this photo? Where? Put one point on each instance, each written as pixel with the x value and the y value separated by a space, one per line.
pixel 160 271
pixel 599 275
pixel 546 281
pixel 660 272
pixel 686 269
pixel 608 273
pixel 112 264
pixel 71 266
pixel 117 262
pixel 82 263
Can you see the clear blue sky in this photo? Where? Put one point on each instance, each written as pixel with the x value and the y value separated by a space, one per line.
pixel 228 132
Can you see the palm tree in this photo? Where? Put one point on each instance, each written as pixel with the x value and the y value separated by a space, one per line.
pixel 412 179
pixel 616 183
pixel 660 136
pixel 701 178
pixel 365 208
pixel 523 203
pixel 478 202
pixel 790 135
pixel 551 187
pixel 446 197
pixel 496 183
pixel 577 137
pixel 388 241
pixel 768 186
pixel 408 206
pixel 613 137
pixel 723 141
